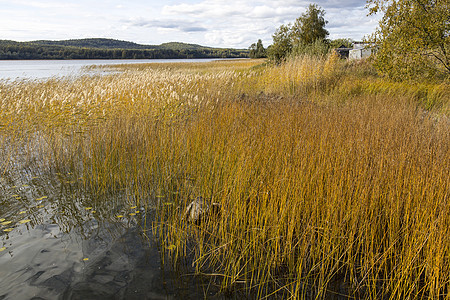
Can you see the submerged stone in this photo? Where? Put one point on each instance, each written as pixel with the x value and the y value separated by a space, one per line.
pixel 200 209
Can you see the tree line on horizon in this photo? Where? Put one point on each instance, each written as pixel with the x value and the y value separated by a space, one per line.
pixel 97 49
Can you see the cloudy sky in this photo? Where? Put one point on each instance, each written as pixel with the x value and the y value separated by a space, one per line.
pixel 217 23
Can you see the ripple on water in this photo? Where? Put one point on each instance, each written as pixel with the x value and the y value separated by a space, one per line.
pixel 73 246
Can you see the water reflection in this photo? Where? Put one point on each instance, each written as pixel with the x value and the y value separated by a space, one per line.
pixel 58 241
pixel 45 69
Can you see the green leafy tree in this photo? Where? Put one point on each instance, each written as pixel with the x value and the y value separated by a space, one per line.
pixel 348 43
pixel 413 38
pixel 316 48
pixel 257 50
pixel 310 26
pixel 306 36
pixel 282 44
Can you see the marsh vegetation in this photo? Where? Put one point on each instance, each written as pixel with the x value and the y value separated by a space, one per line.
pixel 331 180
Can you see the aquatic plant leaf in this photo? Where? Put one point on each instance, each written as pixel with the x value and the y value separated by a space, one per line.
pixel 172 247
pixel 93 211
pixel 133 207
pixel 15 195
pixel 6 223
pixel 88 208
pixel 2 219
pixel 86 259
pixel 132 214
pixel 2 249
pixel 24 221
pixel 41 198
pixel 8 229
pixel 22 212
pixel 119 216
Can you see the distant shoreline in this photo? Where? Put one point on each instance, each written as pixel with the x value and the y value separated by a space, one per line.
pixel 143 58
pixel 44 69
pixel 110 49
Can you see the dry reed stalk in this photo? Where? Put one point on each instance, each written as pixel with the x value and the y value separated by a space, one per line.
pixel 327 183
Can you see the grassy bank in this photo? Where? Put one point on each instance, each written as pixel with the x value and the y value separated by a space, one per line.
pixel 331 180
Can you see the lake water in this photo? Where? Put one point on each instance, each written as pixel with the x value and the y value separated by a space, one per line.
pixel 42 69
pixel 59 241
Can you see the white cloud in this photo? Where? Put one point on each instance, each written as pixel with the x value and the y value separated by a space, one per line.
pixel 219 23
pixel 231 22
pixel 42 4
pixel 206 9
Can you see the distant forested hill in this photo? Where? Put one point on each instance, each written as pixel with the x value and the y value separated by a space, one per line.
pixel 97 48
pixel 181 46
pixel 95 43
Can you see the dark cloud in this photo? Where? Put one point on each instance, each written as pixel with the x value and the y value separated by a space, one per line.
pixel 193 29
pixel 181 25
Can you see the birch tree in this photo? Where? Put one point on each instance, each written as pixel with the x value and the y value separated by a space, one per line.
pixel 413 38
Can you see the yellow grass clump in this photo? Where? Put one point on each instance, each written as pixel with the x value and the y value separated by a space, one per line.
pixel 330 180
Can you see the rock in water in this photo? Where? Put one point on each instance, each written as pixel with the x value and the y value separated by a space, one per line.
pixel 200 209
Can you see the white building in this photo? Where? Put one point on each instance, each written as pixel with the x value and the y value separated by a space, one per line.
pixel 361 50
pixel 360 53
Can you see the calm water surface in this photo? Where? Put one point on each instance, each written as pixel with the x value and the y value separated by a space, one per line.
pixel 58 241
pixel 42 69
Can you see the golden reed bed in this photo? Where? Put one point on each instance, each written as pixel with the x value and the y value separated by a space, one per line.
pixel 330 179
